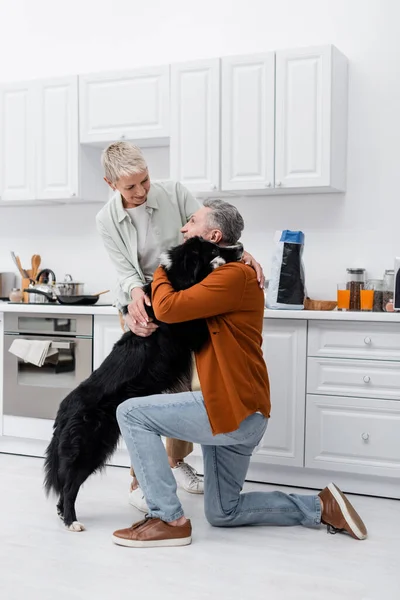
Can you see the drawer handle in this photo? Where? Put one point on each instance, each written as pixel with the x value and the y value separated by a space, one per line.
pixel 365 436
pixel 367 340
pixel 367 378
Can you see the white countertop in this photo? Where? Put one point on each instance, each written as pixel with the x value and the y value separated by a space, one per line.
pixel 99 309
pixel 58 309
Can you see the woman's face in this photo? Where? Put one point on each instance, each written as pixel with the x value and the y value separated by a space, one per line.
pixel 133 188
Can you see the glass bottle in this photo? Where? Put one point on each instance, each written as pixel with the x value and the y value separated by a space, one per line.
pixel 15 295
pixel 388 287
pixel 355 283
pixel 377 286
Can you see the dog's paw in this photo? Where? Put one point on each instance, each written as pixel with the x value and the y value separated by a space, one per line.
pixel 76 526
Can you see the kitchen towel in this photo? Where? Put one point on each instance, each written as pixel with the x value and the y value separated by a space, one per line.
pixel 32 351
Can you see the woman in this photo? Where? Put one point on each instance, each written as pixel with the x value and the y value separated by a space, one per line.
pixel 139 222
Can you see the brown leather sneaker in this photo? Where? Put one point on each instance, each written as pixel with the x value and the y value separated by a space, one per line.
pixel 339 515
pixel 152 533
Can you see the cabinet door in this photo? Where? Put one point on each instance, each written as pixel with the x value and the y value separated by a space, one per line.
pixel 303 117
pixel 248 105
pixel 17 142
pixel 195 124
pixel 124 105
pixel 57 138
pixel 107 331
pixel 284 348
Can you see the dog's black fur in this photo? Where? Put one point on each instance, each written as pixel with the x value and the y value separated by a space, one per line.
pixel 86 430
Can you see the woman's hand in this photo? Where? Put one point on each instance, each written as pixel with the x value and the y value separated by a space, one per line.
pixel 138 329
pixel 136 308
pixel 248 259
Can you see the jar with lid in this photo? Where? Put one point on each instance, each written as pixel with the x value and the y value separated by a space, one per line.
pixel 388 287
pixel 377 286
pixel 15 295
pixel 355 283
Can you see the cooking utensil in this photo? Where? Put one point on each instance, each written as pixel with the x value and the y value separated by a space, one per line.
pixel 87 300
pixel 35 263
pixel 68 287
pixel 18 264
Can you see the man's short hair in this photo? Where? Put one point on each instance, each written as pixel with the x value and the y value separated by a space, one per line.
pixel 121 159
pixel 227 219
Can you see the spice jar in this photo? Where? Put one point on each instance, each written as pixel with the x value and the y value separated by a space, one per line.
pixel 355 283
pixel 377 286
pixel 388 288
pixel 15 295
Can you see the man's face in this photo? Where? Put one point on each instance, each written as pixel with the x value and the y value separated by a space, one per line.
pixel 198 225
pixel 133 188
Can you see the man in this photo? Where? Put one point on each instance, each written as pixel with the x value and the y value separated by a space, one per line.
pixel 229 416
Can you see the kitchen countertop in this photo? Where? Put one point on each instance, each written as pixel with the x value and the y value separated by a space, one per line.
pixel 99 309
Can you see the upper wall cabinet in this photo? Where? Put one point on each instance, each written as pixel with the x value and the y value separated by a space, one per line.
pixel 40 158
pixel 311 119
pixel 195 124
pixel 17 142
pixel 248 122
pixel 132 105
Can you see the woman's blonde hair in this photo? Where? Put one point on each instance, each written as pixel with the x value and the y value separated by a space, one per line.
pixel 121 159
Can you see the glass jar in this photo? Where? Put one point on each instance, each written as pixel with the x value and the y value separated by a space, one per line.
pixel 15 295
pixel 388 288
pixel 377 286
pixel 355 283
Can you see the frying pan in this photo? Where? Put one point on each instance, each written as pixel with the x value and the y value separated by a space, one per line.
pixel 84 300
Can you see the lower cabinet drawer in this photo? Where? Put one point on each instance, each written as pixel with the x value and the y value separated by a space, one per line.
pixel 354 435
pixel 359 378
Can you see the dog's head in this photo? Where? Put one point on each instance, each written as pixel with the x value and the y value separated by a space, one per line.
pixel 190 262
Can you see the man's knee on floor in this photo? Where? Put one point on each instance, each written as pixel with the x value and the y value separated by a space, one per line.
pixel 217 517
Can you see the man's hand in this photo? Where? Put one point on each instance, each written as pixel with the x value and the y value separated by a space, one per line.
pixel 139 329
pixel 249 260
pixel 136 308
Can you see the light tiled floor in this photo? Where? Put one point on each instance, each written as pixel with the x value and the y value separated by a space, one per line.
pixel 40 560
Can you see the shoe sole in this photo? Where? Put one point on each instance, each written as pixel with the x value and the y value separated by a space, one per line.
pixel 152 543
pixel 193 491
pixel 352 518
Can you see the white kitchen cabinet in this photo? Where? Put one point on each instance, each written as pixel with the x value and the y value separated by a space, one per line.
pixel 285 350
pixel 195 125
pixel 132 105
pixel 17 141
pixel 353 435
pixel 57 139
pixel 311 119
pixel 107 330
pixel 248 122
pixel 40 159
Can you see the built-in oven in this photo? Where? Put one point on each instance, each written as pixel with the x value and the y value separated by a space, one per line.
pixel 36 392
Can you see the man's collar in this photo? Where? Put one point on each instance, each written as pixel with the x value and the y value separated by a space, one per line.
pixel 151 202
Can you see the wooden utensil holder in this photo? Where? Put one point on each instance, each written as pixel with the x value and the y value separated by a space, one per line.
pixel 24 284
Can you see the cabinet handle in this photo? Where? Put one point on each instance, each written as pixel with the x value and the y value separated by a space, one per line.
pixel 365 436
pixel 367 378
pixel 278 183
pixel 122 136
pixel 73 194
pixel 213 187
pixel 367 340
pixel 268 184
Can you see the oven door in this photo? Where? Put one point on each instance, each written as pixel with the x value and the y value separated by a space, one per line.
pixel 31 391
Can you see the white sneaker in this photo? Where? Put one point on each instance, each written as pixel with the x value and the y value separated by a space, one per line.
pixel 187 478
pixel 137 499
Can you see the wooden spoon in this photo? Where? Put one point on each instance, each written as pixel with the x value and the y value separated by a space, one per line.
pixel 35 261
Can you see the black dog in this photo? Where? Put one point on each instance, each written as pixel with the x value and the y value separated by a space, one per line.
pixel 86 431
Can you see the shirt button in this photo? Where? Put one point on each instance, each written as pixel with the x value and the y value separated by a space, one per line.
pixel 157 231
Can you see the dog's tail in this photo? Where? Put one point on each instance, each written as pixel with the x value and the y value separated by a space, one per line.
pixel 52 481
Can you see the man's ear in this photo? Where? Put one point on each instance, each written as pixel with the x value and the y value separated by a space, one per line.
pixel 216 236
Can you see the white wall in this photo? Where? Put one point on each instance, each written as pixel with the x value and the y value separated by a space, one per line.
pixel 42 38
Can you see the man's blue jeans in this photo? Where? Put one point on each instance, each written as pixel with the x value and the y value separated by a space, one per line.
pixel 226 459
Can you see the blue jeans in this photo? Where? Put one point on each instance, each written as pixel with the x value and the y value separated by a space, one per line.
pixel 226 459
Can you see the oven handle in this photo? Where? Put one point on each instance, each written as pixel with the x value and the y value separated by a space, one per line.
pixel 62 345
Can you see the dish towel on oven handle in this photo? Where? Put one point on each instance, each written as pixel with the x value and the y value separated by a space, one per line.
pixel 32 351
